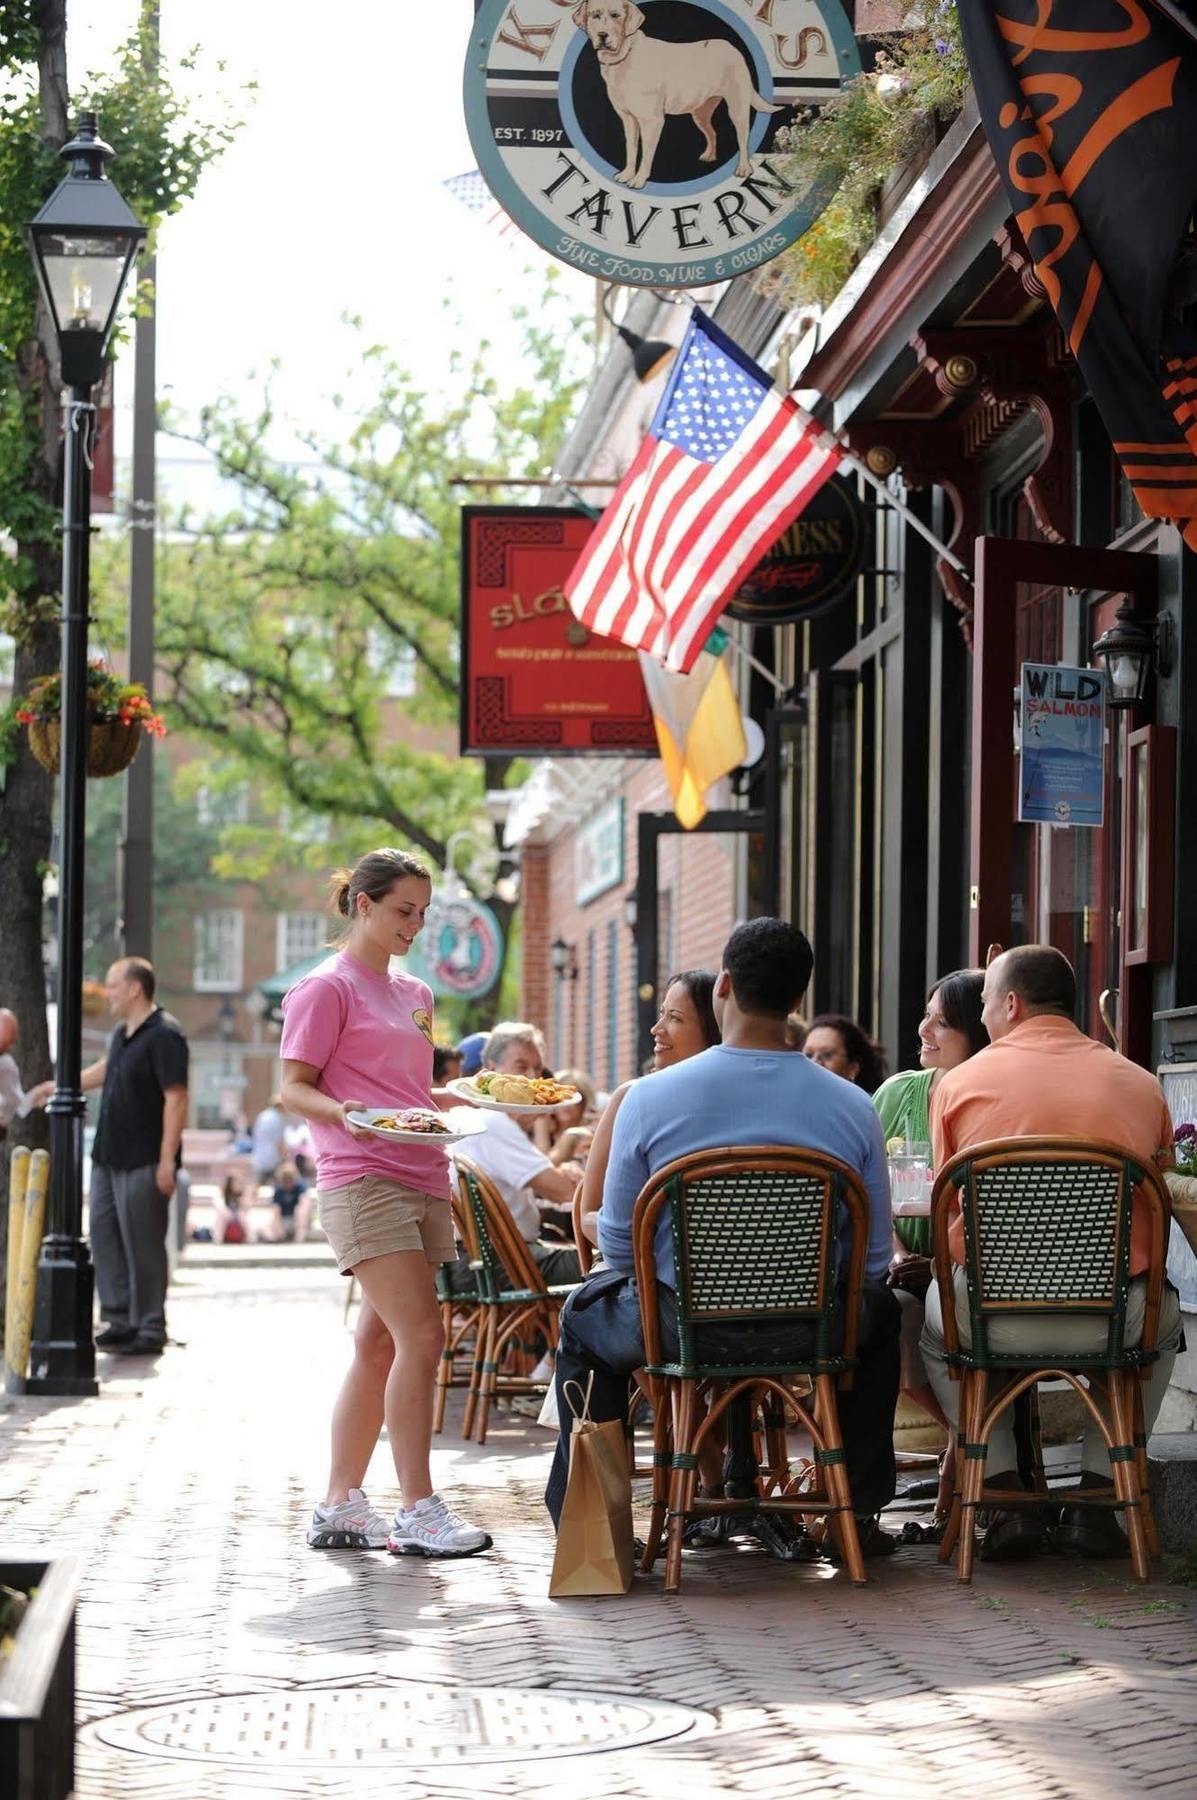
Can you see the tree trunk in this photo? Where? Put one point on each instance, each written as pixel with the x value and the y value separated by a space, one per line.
pixel 27 795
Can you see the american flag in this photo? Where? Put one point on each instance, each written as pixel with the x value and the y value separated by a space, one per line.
pixel 727 463
pixel 471 189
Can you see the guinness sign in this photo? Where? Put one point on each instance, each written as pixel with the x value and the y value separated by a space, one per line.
pixel 813 562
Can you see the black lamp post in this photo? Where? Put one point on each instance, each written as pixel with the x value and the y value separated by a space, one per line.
pixel 83 242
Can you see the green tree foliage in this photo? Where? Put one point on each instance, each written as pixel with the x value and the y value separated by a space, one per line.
pixel 280 622
pixel 161 148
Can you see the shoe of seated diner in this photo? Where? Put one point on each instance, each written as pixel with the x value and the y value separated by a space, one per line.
pixel 1089 1531
pixel 351 1524
pixel 1012 1536
pixel 432 1528
pixel 875 1540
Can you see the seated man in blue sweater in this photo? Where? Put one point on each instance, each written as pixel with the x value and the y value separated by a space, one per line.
pixel 749 1089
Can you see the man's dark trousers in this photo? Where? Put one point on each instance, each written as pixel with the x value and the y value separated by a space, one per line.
pixel 128 1220
pixel 601 1334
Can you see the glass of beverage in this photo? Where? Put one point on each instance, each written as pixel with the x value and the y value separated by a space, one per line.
pixel 910 1177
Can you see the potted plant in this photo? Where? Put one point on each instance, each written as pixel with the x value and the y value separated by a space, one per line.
pixel 37 1678
pixel 119 711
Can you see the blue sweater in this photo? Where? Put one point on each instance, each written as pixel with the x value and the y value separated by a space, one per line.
pixel 727 1096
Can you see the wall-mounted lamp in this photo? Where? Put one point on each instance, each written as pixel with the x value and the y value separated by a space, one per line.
pixel 1127 652
pixel 226 1021
pixel 563 960
pixel 631 911
pixel 649 355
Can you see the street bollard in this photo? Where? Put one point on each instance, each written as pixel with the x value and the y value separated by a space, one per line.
pixel 19 1333
pixel 18 1177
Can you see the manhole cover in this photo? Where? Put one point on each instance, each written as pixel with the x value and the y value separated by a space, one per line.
pixel 414 1723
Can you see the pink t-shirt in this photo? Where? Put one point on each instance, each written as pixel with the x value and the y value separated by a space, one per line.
pixel 370 1036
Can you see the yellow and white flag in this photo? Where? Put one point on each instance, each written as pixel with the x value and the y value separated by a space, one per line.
pixel 700 732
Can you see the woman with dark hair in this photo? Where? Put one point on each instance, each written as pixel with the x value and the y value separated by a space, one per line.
pixel 354 1035
pixel 685 1025
pixel 838 1043
pixel 950 1031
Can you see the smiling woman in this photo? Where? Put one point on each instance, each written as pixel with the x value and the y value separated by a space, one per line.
pixel 357 1037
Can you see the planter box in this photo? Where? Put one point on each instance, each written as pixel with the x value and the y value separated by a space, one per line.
pixel 37 1684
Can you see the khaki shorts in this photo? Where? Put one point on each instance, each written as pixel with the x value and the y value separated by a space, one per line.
pixel 375 1217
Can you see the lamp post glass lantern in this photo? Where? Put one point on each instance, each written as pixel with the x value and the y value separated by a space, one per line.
pixel 83 242
pixel 563 960
pixel 1126 652
pixel 649 355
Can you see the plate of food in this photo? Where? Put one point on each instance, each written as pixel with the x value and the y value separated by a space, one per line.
pixel 416 1124
pixel 514 1093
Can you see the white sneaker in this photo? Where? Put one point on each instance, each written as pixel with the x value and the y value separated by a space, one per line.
pixel 431 1528
pixel 352 1524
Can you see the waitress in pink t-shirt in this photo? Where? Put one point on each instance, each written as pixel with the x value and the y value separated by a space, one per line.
pixel 356 1035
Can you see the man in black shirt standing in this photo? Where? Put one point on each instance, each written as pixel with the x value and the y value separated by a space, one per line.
pixel 135 1159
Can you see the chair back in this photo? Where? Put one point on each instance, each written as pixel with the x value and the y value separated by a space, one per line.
pixel 1047 1229
pixel 756 1235
pixel 501 1249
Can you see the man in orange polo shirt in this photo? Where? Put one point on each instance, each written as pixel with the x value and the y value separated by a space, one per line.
pixel 1041 1075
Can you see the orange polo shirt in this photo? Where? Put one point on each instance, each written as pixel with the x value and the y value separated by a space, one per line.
pixel 1046 1077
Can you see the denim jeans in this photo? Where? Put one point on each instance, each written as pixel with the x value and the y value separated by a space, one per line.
pixel 601 1335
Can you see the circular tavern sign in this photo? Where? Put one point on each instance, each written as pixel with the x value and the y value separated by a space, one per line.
pixel 461 949
pixel 814 561
pixel 639 141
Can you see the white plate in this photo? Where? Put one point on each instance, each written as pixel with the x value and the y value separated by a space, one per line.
pixel 464 1088
pixel 462 1127
pixel 912 1209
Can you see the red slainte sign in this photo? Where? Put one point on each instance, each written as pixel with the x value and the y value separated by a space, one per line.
pixel 534 681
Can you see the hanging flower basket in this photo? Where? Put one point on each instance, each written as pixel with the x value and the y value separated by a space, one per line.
pixel 120 711
pixel 111 746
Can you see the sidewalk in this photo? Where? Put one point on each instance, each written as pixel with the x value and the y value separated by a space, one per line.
pixel 219 1657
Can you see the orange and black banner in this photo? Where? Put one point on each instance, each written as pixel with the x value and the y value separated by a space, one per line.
pixel 1090 108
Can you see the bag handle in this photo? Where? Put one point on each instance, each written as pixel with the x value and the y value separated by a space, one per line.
pixel 581 1412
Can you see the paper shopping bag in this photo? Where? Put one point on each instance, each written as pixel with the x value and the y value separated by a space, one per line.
pixel 594 1538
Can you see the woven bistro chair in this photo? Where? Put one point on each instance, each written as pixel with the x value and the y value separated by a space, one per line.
pixel 506 1313
pixel 1047 1224
pixel 461 1315
pixel 755 1237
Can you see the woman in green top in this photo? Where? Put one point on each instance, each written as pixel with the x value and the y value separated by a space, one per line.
pixel 949 1033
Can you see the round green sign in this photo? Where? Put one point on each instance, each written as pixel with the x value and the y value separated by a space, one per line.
pixel 638 142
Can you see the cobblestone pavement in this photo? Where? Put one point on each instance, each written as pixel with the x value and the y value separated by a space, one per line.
pixel 219 1657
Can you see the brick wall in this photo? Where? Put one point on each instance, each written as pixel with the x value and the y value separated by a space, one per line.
pixel 536 978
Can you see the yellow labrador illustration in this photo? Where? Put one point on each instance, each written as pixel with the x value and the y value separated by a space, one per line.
pixel 648 79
